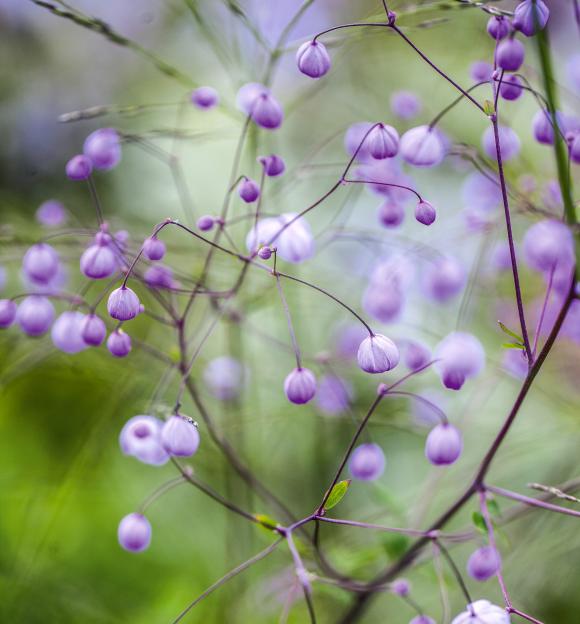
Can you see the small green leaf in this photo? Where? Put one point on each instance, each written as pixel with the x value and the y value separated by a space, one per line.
pixel 513 345
pixel 336 494
pixel 479 521
pixel 509 332
pixel 266 521
pixel 488 107
pixel 493 507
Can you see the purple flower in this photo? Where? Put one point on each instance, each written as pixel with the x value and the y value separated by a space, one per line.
pixel 531 16
pixel 134 532
pixel 481 71
pixel 79 167
pixel 40 263
pixel 498 27
pixel 510 54
pixel 548 244
pixel 509 143
pixel 416 355
pixel 141 438
pixel 159 276
pixel 66 332
pixel 51 213
pixel 225 377
pixel 422 147
pixel 205 97
pixel 444 279
pixel 267 112
pixel 123 304
pixel 461 356
pixel 248 94
pixel 483 563
pixel 384 303
pixel 543 128
pixel 401 587
pixel 93 330
pixel 103 148
pixel 333 394
pixel 154 248
pixel 511 88
pixel 377 354
pixel 425 212
pixel 300 386
pixel 179 436
pixel 7 313
pixel 265 253
pixel 119 343
pixel 273 165
pixel 405 104
pixel 481 192
pixel 383 142
pixel 367 462
pixel 422 619
pixel 248 190
pixel 482 612
pixel 98 261
pixel 205 223
pixel 294 243
pixel 443 445
pixel 391 214
pixel 312 59
pixel 35 315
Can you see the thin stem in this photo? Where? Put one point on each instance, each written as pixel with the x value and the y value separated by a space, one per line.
pixel 95 199
pixel 302 575
pixel 543 312
pixel 528 500
pixel 162 489
pixel 457 574
pixel 290 325
pixel 378 527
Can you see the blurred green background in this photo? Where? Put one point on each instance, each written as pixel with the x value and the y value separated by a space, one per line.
pixel 64 482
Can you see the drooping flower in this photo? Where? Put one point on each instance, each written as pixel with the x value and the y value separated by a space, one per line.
pixel 206 223
pixel 482 612
pixel 51 213
pixel 154 248
pixel 312 59
pixel 141 438
pixel 367 462
pixel 531 16
pixel 160 276
pixel 273 165
pixel 498 27
pixel 300 386
pixel 179 436
pixel 416 355
pixel 98 261
pixel 401 587
pixel 510 54
pixel 40 263
pixel 35 315
pixel 509 143
pixel 425 212
pixel 422 147
pixel 543 127
pixel 267 112
pixel 119 343
pixel 7 312
pixel 377 354
pixel 66 332
pixel 103 148
pixel 248 190
pixel 333 394
pixel 511 88
pixel 480 71
pixel 79 167
pixel 480 192
pixel 93 330
pixel 134 532
pixel 204 98
pixel 548 244
pixel 123 304
pixel 461 356
pixel 443 445
pixel 405 104
pixel 444 279
pixel 294 243
pixel 383 142
pixel 391 214
pixel 483 563
pixel 225 377
pixel 384 303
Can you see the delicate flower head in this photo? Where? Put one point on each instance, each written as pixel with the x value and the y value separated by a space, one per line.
pixel 7 312
pixel 425 212
pixel 444 279
pixel 367 462
pixel 154 248
pixel 511 88
pixel 225 377
pixel 481 71
pixel 93 330
pixel 483 563
pixel 401 587
pixel 461 356
pixel 265 253
pixel 422 147
pixel 267 112
pixel 273 165
pixel 548 244
pixel 479 192
pixel 134 532
pixel 248 190
pixel 531 16
pixel 498 27
pixel 103 148
pixel 333 394
pixel 384 304
pixel 391 214
pixel 51 213
pixel 35 315
pixel 79 167
pixel 377 354
pixel 40 263
pixel 123 304
pixel 119 343
pixel 98 261
pixel 510 54
pixel 179 436
pixel 443 445
pixel 294 243
pixel 383 142
pixel 543 127
pixel 509 143
pixel 66 332
pixel 141 438
pixel 482 612
pixel 300 386
pixel 312 59
pixel 205 97
pixel 159 276
pixel 416 355
pixel 248 94
pixel 205 223
pixel 405 104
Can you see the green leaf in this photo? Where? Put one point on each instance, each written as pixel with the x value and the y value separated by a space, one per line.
pixel 509 332
pixel 336 494
pixel 493 507
pixel 266 521
pixel 488 107
pixel 513 345
pixel 396 545
pixel 479 521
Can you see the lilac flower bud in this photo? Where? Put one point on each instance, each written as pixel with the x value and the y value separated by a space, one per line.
pixel 384 304
pixel 300 386
pixel 123 304
pixel 312 59
pixel 416 355
pixel 531 16
pixel 35 315
pixel 425 212
pixel 98 261
pixel 103 148
pixel 93 330
pixel 391 214
pixel 248 190
pixel 154 248
pixel 265 253
pixel 40 263
pixel 333 394
pixel 7 313
pixel 79 167
pixel 548 244
pixel 66 333
pixel 405 104
pixel 383 142
pixel 422 619
pixel 205 97
pixel 481 71
pixel 483 563
pixel 134 532
pixel 401 587
pixel 205 223
pixel 248 94
pixel 159 276
pixel 509 143
pixel 267 112
pixel 510 54
pixel 483 612
pixel 51 213
pixel 444 279
pixel 511 88
pixel 498 27
pixel 542 126
pixel 141 438
pixel 273 165
pixel 367 462
pixel 461 356
pixel 119 343
pixel 180 437
pixel 443 445
pixel 294 244
pixel 377 354
pixel 225 377
pixel 422 147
